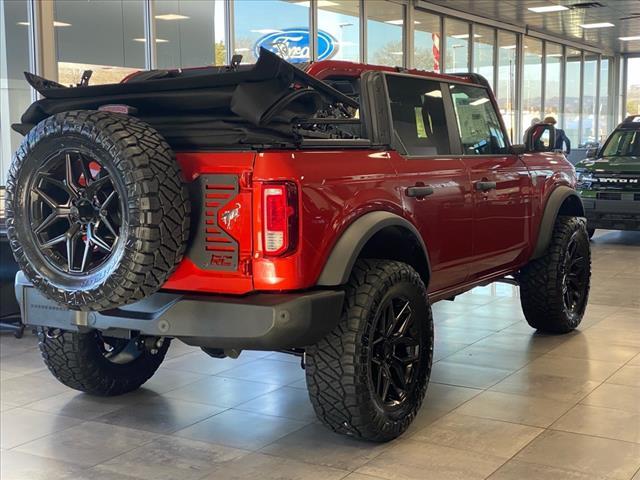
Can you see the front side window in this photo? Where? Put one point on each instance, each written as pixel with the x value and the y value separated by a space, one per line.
pixel 418 116
pixel 478 124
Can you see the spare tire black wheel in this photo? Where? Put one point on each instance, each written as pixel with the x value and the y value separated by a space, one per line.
pixel 97 211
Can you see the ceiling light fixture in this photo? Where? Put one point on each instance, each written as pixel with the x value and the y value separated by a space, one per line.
pixel 547 9
pixel 629 39
pixel 321 3
pixel 462 36
pixel 171 16
pixel 400 22
pixel 158 40
pixel 479 101
pixel 266 31
pixel 55 24
pixel 597 25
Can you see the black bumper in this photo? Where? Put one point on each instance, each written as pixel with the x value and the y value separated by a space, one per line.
pixel 612 214
pixel 254 322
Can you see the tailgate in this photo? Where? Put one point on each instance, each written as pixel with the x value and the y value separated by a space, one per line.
pixel 218 256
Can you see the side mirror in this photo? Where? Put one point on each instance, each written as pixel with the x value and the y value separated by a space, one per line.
pixel 518 149
pixel 592 152
pixel 541 137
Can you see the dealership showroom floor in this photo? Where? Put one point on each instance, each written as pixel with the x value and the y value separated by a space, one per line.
pixel 503 403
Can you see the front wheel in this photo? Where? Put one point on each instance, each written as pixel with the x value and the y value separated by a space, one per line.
pixel 367 378
pixel 554 289
pixel 100 365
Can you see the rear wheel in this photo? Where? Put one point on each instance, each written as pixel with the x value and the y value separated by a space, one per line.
pixel 100 365
pixel 368 377
pixel 554 289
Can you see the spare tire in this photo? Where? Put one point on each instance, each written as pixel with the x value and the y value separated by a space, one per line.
pixel 97 210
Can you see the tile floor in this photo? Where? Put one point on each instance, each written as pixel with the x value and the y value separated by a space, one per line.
pixel 503 403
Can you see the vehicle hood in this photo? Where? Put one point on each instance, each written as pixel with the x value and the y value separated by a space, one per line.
pixel 610 165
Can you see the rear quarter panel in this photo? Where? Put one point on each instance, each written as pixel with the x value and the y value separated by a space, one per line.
pixel 335 187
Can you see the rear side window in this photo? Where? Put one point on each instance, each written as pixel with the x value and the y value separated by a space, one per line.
pixel 417 112
pixel 478 124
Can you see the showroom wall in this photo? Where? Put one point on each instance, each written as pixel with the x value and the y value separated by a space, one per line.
pixel 532 75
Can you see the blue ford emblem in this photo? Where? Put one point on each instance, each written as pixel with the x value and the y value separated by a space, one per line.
pixel 292 44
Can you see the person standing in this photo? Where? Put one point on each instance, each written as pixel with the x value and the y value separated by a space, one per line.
pixel 561 137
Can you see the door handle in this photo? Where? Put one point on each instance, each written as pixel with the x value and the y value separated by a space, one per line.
pixel 485 186
pixel 419 191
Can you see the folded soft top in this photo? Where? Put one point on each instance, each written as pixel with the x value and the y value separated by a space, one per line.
pixel 243 105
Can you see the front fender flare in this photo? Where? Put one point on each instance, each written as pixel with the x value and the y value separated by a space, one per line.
pixel 551 211
pixel 347 249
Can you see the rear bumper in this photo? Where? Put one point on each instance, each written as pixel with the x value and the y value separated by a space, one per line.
pixel 612 214
pixel 252 322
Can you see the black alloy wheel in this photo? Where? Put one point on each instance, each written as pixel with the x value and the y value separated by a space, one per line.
pixel 395 352
pixel 76 212
pixel 368 376
pixel 576 276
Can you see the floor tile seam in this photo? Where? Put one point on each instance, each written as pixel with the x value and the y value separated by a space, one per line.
pixel 509 421
pixel 226 378
pixel 252 450
pixel 571 470
pixel 311 464
pixel 169 432
pixel 246 452
pixel 85 467
pixel 78 420
pixel 556 429
pixel 607 408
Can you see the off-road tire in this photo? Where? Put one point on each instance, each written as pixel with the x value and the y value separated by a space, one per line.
pixel 542 280
pixel 76 361
pixel 338 369
pixel 154 198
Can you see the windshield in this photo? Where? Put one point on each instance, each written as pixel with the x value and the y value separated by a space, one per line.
pixel 623 143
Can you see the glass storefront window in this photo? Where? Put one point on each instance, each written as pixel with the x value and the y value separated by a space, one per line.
pixel 385 24
pixel 105 36
pixel 483 47
pixel 457 46
pixel 604 113
pixel 589 92
pixel 15 93
pixel 277 25
pixel 426 41
pixel 571 114
pixel 506 87
pixel 532 82
pixel 189 33
pixel 340 20
pixel 632 106
pixel 553 83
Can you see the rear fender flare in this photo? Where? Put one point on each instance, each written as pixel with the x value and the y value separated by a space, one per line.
pixel 347 249
pixel 562 195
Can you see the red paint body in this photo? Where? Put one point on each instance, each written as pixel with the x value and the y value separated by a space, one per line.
pixel 471 236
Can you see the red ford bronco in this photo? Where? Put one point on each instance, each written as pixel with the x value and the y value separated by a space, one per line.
pixel 318 211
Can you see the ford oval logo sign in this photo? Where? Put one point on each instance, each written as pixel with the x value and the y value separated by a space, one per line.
pixel 292 44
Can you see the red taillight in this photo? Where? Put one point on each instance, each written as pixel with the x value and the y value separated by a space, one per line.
pixel 280 217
